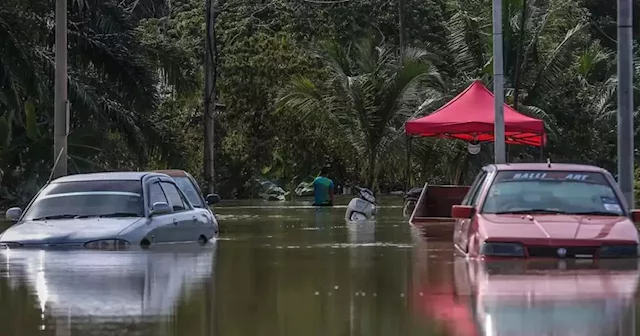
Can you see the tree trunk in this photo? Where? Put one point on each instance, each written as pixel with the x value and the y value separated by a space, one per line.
pixel 371 178
pixel 210 96
pixel 519 62
pixel 401 26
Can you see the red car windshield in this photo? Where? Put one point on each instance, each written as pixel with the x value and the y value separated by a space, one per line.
pixel 552 192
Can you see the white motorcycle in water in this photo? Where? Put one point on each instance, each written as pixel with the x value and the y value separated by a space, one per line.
pixel 363 207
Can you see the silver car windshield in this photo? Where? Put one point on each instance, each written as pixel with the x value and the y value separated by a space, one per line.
pixel 85 199
pixel 587 193
pixel 190 190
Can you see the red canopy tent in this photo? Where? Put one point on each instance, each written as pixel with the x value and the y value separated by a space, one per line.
pixel 470 117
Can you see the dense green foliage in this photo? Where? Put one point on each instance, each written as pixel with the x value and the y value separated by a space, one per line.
pixel 305 84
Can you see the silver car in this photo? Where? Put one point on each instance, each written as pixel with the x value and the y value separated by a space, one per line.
pixel 117 210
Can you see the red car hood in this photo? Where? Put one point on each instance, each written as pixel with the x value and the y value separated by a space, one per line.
pixel 551 226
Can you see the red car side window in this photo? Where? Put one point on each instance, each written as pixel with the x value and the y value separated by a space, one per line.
pixel 474 191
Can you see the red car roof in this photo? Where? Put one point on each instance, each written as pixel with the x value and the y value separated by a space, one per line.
pixel 548 167
pixel 172 172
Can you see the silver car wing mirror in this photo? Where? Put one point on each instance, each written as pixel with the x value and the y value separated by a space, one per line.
pixel 13 214
pixel 159 208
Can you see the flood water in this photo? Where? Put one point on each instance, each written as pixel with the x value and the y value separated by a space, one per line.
pixel 295 270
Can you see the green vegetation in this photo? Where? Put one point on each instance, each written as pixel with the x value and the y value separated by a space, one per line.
pixel 305 84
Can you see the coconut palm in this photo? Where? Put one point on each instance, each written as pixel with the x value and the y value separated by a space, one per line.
pixel 107 76
pixel 112 87
pixel 369 93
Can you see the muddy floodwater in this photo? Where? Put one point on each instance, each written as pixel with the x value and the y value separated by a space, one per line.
pixel 290 269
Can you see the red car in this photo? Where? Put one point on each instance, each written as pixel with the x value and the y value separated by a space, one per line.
pixel 536 210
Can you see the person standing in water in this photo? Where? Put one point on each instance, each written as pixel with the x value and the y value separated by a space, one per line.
pixel 323 190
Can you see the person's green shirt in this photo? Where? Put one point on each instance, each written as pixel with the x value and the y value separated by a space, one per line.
pixel 322 191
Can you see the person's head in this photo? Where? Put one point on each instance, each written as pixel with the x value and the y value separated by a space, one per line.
pixel 324 171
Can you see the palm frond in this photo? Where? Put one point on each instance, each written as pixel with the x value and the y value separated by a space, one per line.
pixel 301 96
pixel 549 123
pixel 368 103
pixel 467 41
pixel 559 59
pixel 603 102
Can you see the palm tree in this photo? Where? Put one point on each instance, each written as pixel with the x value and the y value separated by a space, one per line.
pixel 112 86
pixel 369 93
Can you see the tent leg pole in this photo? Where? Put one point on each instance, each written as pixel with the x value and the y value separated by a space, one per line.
pixel 407 173
pixel 506 153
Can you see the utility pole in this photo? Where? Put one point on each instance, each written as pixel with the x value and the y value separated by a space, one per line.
pixel 61 111
pixel 209 96
pixel 498 84
pixel 625 100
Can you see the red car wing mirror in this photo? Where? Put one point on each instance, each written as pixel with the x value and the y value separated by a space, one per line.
pixel 635 216
pixel 461 211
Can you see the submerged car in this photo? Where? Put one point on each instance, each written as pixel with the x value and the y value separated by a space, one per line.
pixel 114 210
pixel 546 211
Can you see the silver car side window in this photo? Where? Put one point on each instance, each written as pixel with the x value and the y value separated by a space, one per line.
pixel 190 190
pixel 156 194
pixel 175 198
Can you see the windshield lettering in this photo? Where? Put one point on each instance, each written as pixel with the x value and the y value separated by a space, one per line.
pixel 577 177
pixel 544 176
pixel 529 176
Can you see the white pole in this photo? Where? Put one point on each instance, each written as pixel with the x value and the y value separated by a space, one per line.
pixel 498 84
pixel 625 101
pixel 61 112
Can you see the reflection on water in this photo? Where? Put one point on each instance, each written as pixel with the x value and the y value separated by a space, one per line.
pixel 110 285
pixel 63 290
pixel 306 271
pixel 470 297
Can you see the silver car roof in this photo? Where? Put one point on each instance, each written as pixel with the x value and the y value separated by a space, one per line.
pixel 133 176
